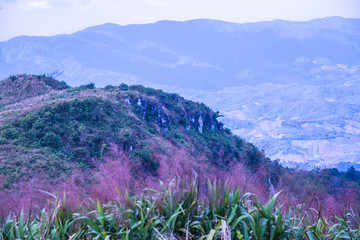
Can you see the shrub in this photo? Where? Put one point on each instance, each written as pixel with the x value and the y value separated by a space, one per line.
pixel 10 133
pixel 144 155
pixel 123 87
pixel 109 87
pixel 175 136
pixel 147 160
pixel 87 86
pixel 77 154
pixel 3 141
pixel 52 141
pixel 13 78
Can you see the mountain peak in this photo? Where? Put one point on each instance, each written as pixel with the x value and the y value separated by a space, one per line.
pixel 20 87
pixel 89 125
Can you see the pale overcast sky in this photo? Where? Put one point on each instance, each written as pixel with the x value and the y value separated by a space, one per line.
pixel 49 17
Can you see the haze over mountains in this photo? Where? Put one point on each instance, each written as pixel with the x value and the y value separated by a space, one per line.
pixel 292 88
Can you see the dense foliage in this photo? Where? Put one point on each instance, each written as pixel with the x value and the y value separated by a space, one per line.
pixel 178 211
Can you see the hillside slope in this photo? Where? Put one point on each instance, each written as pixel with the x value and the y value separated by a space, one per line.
pixel 80 127
pixel 90 141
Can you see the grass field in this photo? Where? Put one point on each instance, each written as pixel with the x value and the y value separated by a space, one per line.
pixel 179 211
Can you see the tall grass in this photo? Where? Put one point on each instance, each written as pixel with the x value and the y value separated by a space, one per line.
pixel 179 211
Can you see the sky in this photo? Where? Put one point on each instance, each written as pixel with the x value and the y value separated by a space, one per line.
pixel 50 17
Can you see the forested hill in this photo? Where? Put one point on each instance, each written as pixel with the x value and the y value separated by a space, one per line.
pixel 49 129
pixel 90 140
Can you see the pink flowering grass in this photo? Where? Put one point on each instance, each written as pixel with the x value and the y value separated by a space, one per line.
pixel 117 175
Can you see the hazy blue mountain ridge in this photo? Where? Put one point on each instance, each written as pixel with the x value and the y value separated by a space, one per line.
pixel 202 54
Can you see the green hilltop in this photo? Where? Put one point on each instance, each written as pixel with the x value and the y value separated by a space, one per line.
pixel 49 129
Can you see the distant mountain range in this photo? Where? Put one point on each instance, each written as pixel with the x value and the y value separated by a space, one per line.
pixel 292 88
